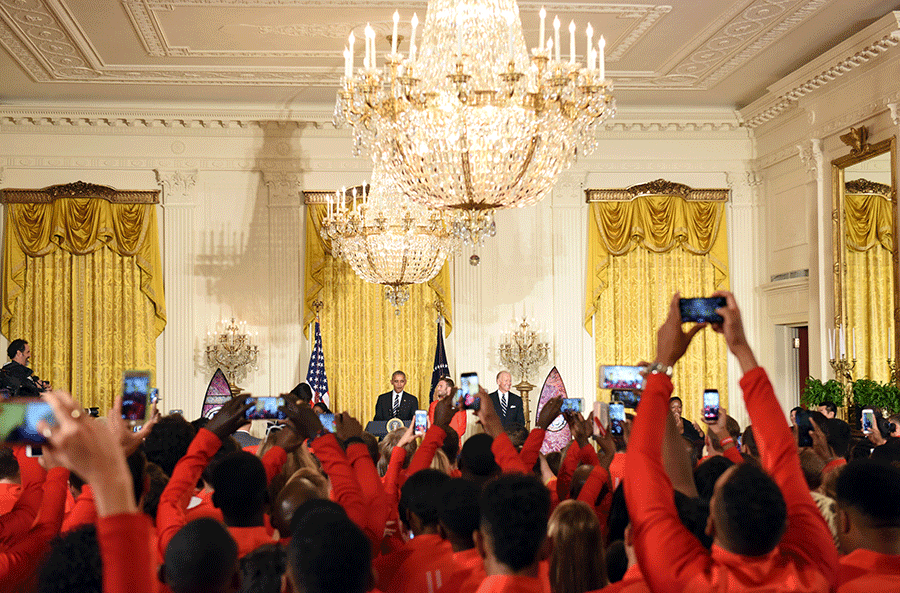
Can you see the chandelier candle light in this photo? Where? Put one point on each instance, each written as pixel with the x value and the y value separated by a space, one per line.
pixel 231 349
pixel 469 121
pixel 386 238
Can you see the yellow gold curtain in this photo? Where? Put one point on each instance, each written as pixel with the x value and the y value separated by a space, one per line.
pixel 364 340
pixel 82 282
pixel 868 282
pixel 640 253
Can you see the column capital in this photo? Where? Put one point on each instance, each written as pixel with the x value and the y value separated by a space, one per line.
pixel 177 185
pixel 285 188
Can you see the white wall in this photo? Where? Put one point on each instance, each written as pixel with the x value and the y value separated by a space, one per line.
pixel 232 227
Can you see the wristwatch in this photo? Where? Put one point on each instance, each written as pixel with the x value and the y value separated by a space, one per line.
pixel 657 368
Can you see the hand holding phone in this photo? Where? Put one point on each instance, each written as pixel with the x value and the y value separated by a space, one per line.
pixel 617 419
pixel 420 420
pixel 868 421
pixel 701 310
pixel 19 420
pixel 711 405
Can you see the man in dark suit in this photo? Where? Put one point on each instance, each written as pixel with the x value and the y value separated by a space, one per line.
pixel 396 403
pixel 507 404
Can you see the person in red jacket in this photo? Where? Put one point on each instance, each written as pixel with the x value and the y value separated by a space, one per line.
pixel 768 533
pixel 513 532
pixel 868 498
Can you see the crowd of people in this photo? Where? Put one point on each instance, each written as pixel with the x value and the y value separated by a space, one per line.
pixel 670 506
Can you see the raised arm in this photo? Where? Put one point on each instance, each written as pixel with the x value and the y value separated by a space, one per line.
pixel 21 517
pixel 667 553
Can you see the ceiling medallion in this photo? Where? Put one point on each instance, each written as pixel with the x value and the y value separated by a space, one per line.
pixel 470 121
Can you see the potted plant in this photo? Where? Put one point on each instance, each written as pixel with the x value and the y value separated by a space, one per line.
pixel 871 394
pixel 817 393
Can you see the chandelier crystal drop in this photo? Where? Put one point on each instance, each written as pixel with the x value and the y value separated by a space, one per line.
pixel 470 121
pixel 386 238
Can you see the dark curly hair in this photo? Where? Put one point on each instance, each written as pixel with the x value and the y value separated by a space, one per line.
pixel 168 441
pixel 73 563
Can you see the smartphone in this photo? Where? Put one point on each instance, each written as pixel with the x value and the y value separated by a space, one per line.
pixel 421 422
pixel 459 397
pixel 617 418
pixel 137 428
pixel 711 405
pixel 93 412
pixel 701 310
pixel 154 396
pixel 265 408
pixel 327 421
pixel 571 404
pixel 601 418
pixel 630 399
pixel 135 395
pixel 33 451
pixel 868 420
pixel 621 377
pixel 19 420
pixel 804 429
pixel 469 383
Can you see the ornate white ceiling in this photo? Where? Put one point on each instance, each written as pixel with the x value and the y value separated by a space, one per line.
pixel 287 53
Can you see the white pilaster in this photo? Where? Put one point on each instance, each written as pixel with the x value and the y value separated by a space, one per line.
pixel 743 237
pixel 285 245
pixel 821 307
pixel 178 257
pixel 465 344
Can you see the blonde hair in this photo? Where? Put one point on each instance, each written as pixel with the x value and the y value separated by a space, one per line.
pixel 440 462
pixel 577 563
pixel 387 446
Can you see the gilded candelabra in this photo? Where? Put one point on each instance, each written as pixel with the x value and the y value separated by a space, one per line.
pixel 231 349
pixel 892 365
pixel 523 352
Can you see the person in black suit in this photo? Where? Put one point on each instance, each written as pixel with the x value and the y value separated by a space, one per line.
pixel 396 403
pixel 507 404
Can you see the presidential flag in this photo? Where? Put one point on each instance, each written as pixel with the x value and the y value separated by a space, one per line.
pixel 440 361
pixel 315 375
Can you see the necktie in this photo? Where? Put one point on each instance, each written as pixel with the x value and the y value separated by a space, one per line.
pixel 396 410
pixel 503 404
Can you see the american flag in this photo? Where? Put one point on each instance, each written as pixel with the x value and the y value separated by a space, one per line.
pixel 315 376
pixel 441 369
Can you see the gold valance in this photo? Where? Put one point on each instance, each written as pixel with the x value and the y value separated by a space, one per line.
pixel 657 223
pixel 868 217
pixel 81 225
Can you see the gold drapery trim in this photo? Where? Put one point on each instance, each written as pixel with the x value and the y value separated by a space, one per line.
pixel 657 223
pixel 868 218
pixel 81 226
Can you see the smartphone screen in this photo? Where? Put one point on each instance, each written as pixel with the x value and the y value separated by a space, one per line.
pixel 327 421
pixel 421 422
pixel 711 405
pixel 459 399
pixel 804 429
pixel 19 420
pixel 135 394
pixel 469 383
pixel 627 397
pixel 701 310
pixel 265 408
pixel 617 418
pixel 571 404
pixel 868 420
pixel 621 377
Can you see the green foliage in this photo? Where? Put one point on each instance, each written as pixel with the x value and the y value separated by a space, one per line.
pixel 871 394
pixel 817 393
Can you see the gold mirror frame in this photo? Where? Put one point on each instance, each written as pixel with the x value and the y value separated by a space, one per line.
pixel 861 150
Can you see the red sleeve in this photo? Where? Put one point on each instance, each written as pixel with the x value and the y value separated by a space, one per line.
pixel 567 470
pixel 391 479
pixel 344 487
pixel 126 552
pixel 21 517
pixel 174 499
pixel 833 464
pixel 423 456
pixel 83 513
pixel 19 562
pixel 807 537
pixel 372 491
pixel 668 554
pixel 273 461
pixel 591 490
pixel 506 455
pixel 531 450
pixel 588 456
pixel 733 454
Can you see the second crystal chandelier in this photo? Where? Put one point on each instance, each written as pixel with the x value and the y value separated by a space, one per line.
pixel 469 121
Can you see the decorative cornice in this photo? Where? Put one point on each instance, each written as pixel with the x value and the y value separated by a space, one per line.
pixel 864 186
pixel 874 40
pixel 660 187
pixel 78 189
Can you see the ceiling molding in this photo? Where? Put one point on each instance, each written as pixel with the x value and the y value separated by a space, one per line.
pixel 860 49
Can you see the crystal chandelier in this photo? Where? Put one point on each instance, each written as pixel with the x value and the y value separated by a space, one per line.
pixel 469 121
pixel 386 238
pixel 231 349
